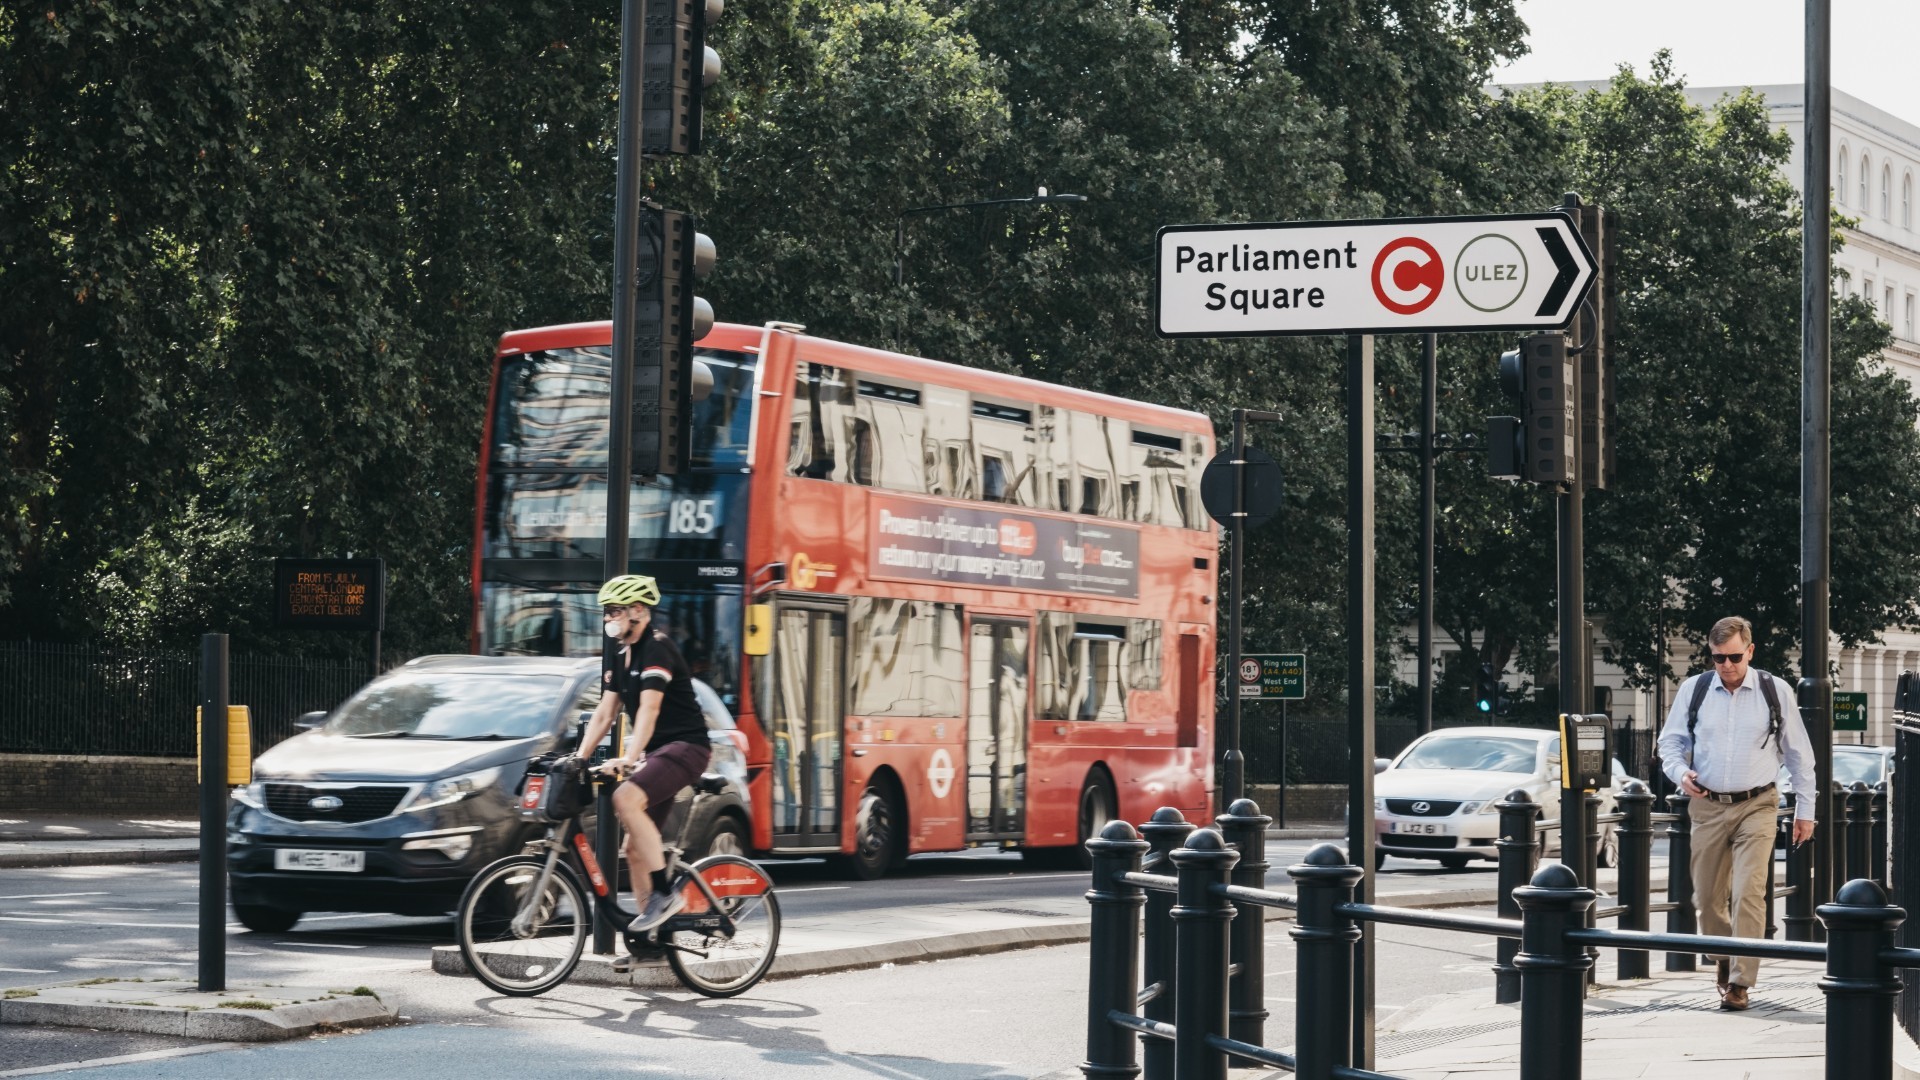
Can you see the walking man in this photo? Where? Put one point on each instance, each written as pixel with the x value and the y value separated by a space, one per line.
pixel 1730 729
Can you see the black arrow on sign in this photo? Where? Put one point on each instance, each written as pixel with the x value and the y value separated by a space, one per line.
pixel 1569 270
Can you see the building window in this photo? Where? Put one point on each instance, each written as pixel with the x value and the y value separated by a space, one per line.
pixel 1886 192
pixel 1910 336
pixel 1906 202
pixel 1887 312
pixel 1840 187
pixel 1866 290
pixel 1865 165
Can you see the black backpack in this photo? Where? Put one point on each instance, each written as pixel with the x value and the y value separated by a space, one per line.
pixel 1704 682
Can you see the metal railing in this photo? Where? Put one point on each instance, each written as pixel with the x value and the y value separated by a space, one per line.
pixel 86 699
pixel 1200 1004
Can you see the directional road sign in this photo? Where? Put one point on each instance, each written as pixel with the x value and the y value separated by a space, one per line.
pixel 1273 676
pixel 1849 710
pixel 1404 276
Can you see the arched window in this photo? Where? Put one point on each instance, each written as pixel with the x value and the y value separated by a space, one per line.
pixel 1840 188
pixel 1865 166
pixel 1906 202
pixel 1886 192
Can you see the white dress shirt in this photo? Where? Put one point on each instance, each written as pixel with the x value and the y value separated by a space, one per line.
pixel 1725 749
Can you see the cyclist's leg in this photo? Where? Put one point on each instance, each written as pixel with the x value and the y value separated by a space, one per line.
pixel 649 795
pixel 642 845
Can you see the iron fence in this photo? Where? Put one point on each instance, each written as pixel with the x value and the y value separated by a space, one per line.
pixel 89 699
pixel 1193 990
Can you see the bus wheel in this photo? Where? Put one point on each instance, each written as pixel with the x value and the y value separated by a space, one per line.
pixel 877 837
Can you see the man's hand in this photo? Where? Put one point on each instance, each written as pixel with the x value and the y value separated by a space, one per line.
pixel 617 768
pixel 1690 784
pixel 1802 831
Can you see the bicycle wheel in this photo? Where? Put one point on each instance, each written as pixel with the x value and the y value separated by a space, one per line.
pixel 539 952
pixel 705 957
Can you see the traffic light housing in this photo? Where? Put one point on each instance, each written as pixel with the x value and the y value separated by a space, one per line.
pixel 668 319
pixel 1538 445
pixel 1489 695
pixel 678 69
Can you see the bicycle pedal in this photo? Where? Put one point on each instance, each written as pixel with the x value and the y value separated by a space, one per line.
pixel 622 965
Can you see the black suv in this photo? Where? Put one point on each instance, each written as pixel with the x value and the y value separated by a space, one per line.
pixel 397 798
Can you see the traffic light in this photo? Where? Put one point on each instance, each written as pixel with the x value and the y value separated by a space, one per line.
pixel 1487 691
pixel 679 68
pixel 1536 446
pixel 1595 327
pixel 668 319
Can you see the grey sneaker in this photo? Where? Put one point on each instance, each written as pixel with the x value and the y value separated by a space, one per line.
pixel 658 909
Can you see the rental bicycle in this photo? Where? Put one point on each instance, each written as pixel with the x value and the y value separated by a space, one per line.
pixel 524 920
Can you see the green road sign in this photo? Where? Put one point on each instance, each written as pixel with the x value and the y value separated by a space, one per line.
pixel 1849 711
pixel 1273 677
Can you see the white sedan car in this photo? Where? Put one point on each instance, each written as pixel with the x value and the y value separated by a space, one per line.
pixel 1437 799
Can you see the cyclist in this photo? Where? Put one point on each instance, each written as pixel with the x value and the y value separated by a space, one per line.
pixel 646 675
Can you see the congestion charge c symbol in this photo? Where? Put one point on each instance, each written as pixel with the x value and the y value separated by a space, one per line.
pixel 1407 276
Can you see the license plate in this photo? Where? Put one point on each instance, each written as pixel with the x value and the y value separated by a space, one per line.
pixel 336 862
pixel 1418 828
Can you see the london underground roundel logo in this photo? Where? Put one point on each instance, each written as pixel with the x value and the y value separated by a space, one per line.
pixel 1407 276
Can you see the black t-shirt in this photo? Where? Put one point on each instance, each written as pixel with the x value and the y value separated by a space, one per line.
pixel 654 663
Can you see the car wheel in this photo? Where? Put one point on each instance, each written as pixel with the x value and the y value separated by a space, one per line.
pixel 1608 853
pixel 728 837
pixel 1454 862
pixel 265 919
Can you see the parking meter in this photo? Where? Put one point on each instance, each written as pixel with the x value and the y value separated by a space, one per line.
pixel 1586 751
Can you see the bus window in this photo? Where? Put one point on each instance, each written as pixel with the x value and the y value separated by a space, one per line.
pixel 1004 440
pixel 895 438
pixel 1142 660
pixel 908 660
pixel 1098 690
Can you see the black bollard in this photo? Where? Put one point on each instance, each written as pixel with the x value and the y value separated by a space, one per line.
pixel 1164 831
pixel 1859 988
pixel 213 812
pixel 1553 973
pixel 1519 838
pixel 1878 860
pixel 1636 871
pixel 1113 961
pixel 1859 832
pixel 1800 903
pixel 1681 919
pixel 1245 828
pixel 1202 921
pixel 1323 958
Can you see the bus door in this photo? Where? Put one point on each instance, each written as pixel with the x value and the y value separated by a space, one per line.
pixel 808 714
pixel 997 729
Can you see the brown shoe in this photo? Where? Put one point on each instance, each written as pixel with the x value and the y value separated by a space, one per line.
pixel 1734 998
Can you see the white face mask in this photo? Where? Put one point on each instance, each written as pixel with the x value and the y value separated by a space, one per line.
pixel 616 629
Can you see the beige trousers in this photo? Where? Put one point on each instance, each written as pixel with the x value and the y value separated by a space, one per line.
pixel 1732 856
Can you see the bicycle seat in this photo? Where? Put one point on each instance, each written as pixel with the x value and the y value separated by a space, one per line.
pixel 710 784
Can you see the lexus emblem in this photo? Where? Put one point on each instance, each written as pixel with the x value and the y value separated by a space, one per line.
pixel 1418 808
pixel 326 802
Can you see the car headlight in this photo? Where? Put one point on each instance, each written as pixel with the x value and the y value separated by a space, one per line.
pixel 453 843
pixel 1379 805
pixel 254 795
pixel 455 788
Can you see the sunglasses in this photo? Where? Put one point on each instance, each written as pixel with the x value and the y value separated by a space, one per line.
pixel 1728 657
pixel 612 612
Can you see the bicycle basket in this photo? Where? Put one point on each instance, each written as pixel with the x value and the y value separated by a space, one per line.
pixel 556 792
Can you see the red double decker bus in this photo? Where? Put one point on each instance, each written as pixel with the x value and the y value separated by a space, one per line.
pixel 948 607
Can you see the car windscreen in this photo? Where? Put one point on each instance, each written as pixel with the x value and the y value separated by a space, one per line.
pixel 1489 754
pixel 1854 768
pixel 449 705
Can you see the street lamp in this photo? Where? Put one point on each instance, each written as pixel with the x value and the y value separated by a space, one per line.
pixel 900 223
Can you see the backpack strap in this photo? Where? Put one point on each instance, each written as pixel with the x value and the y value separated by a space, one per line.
pixel 1701 684
pixel 1772 694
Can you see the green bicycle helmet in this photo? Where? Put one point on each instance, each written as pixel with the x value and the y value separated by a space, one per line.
pixel 630 589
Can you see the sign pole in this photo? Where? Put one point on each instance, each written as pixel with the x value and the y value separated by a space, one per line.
pixel 1280 809
pixel 1360 839
pixel 1233 780
pixel 1816 490
pixel 213 812
pixel 1429 424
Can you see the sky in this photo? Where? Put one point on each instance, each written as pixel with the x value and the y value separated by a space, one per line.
pixel 1876 44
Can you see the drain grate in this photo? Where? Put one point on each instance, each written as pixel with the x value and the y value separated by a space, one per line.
pixel 1400 1044
pixel 1033 913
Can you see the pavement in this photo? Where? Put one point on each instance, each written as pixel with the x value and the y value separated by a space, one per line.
pixel 30 838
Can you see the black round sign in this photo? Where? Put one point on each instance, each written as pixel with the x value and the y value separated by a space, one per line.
pixel 1262 490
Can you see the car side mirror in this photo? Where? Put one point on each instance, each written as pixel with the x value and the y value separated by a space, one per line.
pixel 1381 765
pixel 309 721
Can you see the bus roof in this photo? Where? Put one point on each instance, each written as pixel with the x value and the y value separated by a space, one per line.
pixel 879 362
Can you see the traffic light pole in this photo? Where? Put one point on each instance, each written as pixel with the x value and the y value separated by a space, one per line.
pixel 1429 426
pixel 1233 762
pixel 1360 645
pixel 626 274
pixel 1816 521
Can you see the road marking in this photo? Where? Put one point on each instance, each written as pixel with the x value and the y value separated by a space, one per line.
pixel 1024 877
pixel 16 918
pixel 128 1059
pixel 30 971
pixel 36 895
pixel 133 960
pixel 319 945
pixel 816 888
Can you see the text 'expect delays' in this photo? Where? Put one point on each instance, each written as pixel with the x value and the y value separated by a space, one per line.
pixel 1411 275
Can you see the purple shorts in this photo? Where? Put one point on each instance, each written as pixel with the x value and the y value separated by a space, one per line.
pixel 665 771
